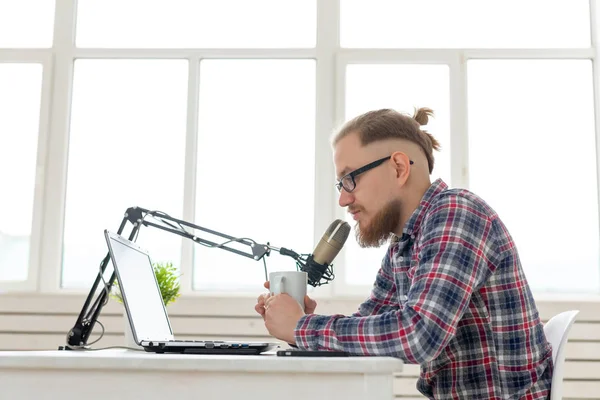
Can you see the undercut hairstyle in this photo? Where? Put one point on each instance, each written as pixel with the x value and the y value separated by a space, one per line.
pixel 386 123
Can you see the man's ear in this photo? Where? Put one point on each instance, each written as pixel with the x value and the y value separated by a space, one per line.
pixel 401 163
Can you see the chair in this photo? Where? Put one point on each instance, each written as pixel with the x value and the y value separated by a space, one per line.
pixel 557 332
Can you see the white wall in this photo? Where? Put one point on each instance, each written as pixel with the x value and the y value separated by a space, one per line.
pixel 42 322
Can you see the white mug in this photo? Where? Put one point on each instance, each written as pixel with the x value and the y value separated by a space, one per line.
pixel 291 282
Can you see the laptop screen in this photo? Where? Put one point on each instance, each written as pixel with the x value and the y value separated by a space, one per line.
pixel 140 290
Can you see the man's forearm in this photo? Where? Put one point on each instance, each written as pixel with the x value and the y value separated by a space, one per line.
pixel 377 335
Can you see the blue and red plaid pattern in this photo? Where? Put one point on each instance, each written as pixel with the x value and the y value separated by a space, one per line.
pixel 452 297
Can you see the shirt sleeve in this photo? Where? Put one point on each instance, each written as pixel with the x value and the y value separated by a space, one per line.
pixel 455 251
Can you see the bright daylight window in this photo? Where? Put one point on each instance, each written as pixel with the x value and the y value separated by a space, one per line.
pixel 128 134
pixel 530 122
pixel 542 133
pixel 126 148
pixel 465 24
pixel 20 101
pixel 223 119
pixel 20 93
pixel 255 163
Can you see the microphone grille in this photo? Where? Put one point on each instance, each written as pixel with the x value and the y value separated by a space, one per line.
pixel 338 231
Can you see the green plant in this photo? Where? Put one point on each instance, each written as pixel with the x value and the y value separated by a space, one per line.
pixel 168 281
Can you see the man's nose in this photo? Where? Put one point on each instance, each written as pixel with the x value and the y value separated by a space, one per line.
pixel 345 198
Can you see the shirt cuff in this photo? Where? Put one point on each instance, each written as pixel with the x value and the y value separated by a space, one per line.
pixel 314 332
pixel 305 333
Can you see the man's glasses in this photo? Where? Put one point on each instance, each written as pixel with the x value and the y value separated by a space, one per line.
pixel 349 183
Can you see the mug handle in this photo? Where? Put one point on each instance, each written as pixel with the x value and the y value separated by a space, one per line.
pixel 282 285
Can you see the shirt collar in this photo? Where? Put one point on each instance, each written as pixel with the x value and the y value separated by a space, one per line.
pixel 414 222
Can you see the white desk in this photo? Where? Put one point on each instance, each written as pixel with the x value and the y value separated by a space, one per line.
pixel 123 374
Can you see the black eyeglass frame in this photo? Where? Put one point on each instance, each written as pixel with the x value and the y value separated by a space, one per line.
pixel 340 183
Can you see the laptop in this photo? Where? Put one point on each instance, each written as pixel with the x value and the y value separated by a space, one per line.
pixel 147 313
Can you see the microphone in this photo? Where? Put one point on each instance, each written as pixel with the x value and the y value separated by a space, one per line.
pixel 332 242
pixel 318 265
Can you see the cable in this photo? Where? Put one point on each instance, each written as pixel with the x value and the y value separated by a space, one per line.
pixel 266 274
pixel 316 277
pixel 105 287
pixel 300 260
pixel 166 222
pixel 91 311
pixel 239 240
pixel 142 222
pixel 75 347
pixel 156 214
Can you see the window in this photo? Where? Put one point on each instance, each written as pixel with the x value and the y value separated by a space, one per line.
pixel 255 165
pixel 22 28
pixel 465 24
pixel 220 114
pixel 197 24
pixel 533 158
pixel 126 148
pixel 20 98
pixel 132 142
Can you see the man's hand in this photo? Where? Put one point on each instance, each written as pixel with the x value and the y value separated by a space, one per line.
pixel 281 316
pixel 309 304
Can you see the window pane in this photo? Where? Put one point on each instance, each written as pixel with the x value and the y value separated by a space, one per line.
pixel 26 23
pixel 255 165
pixel 465 23
pixel 126 149
pixel 20 98
pixel 403 88
pixel 533 159
pixel 196 23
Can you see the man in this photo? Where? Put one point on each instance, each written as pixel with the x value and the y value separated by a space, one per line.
pixel 450 294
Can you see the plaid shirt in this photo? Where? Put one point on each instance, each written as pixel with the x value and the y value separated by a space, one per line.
pixel 451 296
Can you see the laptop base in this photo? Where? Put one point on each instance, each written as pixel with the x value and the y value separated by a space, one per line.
pixel 208 347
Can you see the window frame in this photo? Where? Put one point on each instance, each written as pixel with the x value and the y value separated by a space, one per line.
pixel 44 271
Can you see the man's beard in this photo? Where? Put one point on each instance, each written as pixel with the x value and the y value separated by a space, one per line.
pixel 381 227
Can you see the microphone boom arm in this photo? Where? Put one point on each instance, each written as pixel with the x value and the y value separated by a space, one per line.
pixel 258 250
pixel 78 335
